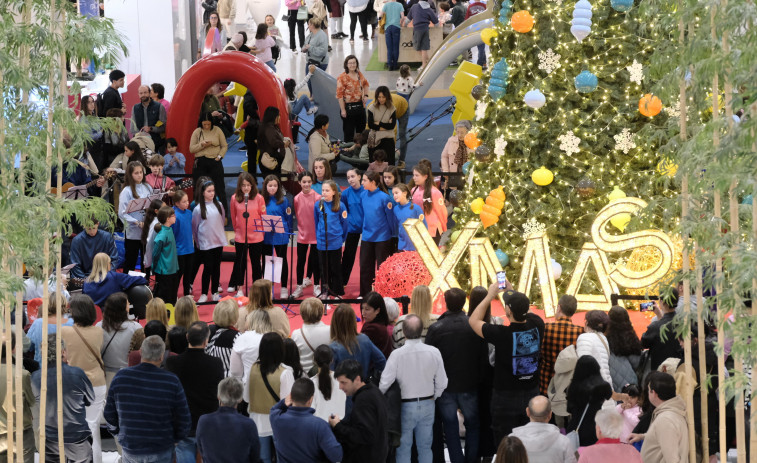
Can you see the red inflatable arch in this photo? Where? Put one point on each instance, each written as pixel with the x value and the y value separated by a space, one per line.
pixel 231 65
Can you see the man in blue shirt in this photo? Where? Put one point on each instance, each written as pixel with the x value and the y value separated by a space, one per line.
pixel 87 244
pixel 293 417
pixel 146 408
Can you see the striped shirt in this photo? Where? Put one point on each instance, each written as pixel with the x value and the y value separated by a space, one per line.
pixel 147 407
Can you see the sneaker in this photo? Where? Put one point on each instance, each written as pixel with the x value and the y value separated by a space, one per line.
pixel 334 36
pixel 203 298
pixel 244 148
pixel 312 110
pixel 231 289
pixel 297 293
pixel 220 289
pixel 216 297
pixel 284 293
pixel 240 293
pixel 330 49
pixel 306 282
pixel 316 290
pixel 365 40
pixel 352 41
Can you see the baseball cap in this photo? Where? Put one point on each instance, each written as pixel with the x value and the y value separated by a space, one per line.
pixel 518 303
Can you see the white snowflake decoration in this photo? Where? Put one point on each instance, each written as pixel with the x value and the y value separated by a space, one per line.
pixel 549 61
pixel 673 110
pixel 624 141
pixel 637 72
pixel 532 226
pixel 499 146
pixel 480 110
pixel 569 143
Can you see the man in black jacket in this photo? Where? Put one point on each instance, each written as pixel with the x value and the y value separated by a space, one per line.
pixel 462 351
pixel 652 339
pixel 199 374
pixel 363 434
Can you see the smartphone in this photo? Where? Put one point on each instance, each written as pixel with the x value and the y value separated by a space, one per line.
pixel 646 306
pixel 501 280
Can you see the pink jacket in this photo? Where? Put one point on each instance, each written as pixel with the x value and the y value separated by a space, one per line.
pixel 303 209
pixel 437 218
pixel 630 420
pixel 292 4
pixel 256 208
pixel 606 450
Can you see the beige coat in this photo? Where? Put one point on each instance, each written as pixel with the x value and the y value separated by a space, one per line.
pixel 227 9
pixel 318 147
pixel 448 155
pixel 667 440
pixel 217 141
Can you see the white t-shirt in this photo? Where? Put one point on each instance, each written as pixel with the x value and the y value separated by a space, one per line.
pixel 317 334
pixel 247 346
pixel 334 406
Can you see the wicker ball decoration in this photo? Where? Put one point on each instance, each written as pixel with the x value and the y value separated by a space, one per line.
pixel 400 273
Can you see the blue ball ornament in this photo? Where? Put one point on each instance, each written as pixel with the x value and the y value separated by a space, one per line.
pixel 503 258
pixel 621 5
pixel 466 168
pixel 747 200
pixel 586 82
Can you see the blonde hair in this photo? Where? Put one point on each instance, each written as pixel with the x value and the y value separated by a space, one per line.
pixel 156 310
pixel 100 268
pixel 52 304
pixel 259 321
pixel 260 295
pixel 186 312
pixel 311 310
pixel 225 313
pixel 344 327
pixel 420 303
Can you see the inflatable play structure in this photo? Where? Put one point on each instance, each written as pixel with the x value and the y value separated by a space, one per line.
pixel 243 68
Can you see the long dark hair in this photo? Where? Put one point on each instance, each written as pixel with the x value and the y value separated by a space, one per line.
pixel 130 168
pixel 292 357
pixel 586 367
pixel 477 295
pixel 620 334
pixel 383 90
pixel 207 25
pixel 83 106
pixel 270 353
pixel 114 312
pixel 375 177
pixel 269 119
pixel 279 192
pixel 245 177
pixel 289 86
pixel 323 356
pixel 319 121
pixel 427 186
pixel 201 200
pixel 152 212
pixel 374 299
pixel 262 31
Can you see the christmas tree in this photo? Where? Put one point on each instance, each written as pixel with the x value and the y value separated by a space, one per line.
pixel 561 106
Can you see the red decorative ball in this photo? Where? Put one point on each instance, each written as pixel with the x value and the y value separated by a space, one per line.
pixel 400 273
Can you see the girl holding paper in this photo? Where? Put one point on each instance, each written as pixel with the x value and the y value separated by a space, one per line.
pixel 133 221
pixel 277 205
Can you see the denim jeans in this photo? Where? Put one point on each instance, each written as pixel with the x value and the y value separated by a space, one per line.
pixel 467 402
pixel 161 457
pixel 186 450
pixel 266 449
pixel 271 65
pixel 302 102
pixel 418 419
pixel 392 35
pixel 481 59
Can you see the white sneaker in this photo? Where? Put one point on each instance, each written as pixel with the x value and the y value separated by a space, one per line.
pixel 231 289
pixel 220 289
pixel 284 293
pixel 306 282
pixel 312 110
pixel 297 293
pixel 216 297
pixel 203 298
pixel 316 290
pixel 240 293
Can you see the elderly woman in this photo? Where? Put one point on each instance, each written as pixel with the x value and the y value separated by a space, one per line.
pixel 314 332
pixel 222 333
pixel 455 153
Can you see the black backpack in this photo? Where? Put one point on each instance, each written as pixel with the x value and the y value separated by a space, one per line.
pixel 275 53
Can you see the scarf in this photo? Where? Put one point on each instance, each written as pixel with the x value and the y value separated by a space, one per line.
pixel 461 155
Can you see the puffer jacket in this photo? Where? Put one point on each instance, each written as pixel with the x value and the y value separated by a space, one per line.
pixel 595 344
pixel 623 370
pixel 667 439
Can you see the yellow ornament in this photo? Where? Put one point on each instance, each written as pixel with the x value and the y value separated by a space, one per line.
pixel 621 221
pixel 667 167
pixel 616 193
pixel 477 205
pixel 542 176
pixel 488 34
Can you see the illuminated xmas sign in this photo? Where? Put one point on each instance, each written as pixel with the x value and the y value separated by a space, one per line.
pixel 484 264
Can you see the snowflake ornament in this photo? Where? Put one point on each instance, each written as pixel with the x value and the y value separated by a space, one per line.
pixel 624 141
pixel 673 111
pixel 480 110
pixel 637 72
pixel 549 61
pixel 532 226
pixel 569 143
pixel 499 146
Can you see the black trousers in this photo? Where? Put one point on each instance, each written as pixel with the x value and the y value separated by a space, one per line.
pixel 363 18
pixel 132 248
pixel 353 123
pixel 211 273
pixel 213 169
pixel 332 274
pixel 387 145
pixel 239 274
pixel 314 270
pixel 186 272
pixel 167 287
pixel 372 255
pixel 300 29
pixel 281 251
pixel 348 256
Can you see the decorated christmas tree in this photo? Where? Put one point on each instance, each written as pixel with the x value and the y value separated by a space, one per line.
pixel 556 124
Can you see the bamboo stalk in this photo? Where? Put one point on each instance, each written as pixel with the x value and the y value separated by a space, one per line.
pixel 702 358
pixel 753 416
pixel 63 90
pixel 738 363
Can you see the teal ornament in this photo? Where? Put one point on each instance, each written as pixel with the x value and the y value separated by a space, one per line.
pixel 621 5
pixel 502 257
pixel 505 9
pixel 466 168
pixel 581 23
pixel 498 79
pixel 586 82
pixel 747 200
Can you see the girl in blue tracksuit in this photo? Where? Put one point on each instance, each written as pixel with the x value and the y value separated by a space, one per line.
pixel 391 176
pixel 352 198
pixel 378 223
pixel 405 209
pixel 182 231
pixel 277 204
pixel 330 211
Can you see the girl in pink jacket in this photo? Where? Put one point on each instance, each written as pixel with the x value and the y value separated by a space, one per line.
pixel 304 203
pixel 430 199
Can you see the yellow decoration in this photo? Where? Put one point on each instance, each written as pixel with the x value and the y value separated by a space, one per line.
pixel 650 105
pixel 483 262
pixel 522 21
pixel 466 77
pixel 616 193
pixel 471 140
pixel 538 258
pixel 647 257
pixel 244 166
pixel 488 219
pixel 236 89
pixel 591 255
pixel 542 176
pixel 171 314
pixel 488 34
pixel 477 205
pixel 667 167
pixel 621 221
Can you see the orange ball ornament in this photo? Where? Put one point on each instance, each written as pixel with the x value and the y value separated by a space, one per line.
pixel 522 21
pixel 472 141
pixel 650 105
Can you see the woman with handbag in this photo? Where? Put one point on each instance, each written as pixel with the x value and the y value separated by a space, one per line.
pixel 298 14
pixel 382 119
pixel 271 143
pixel 352 93
pixel 586 394
pixel 319 145
pixel 208 144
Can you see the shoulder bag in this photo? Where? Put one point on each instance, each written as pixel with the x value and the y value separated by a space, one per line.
pixel 302 13
pixel 356 108
pixel 572 436
pixel 268 386
pixel 91 350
